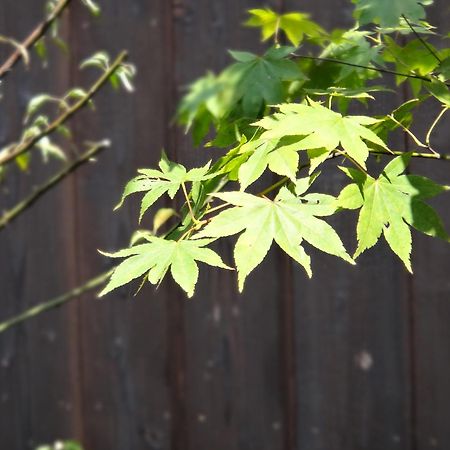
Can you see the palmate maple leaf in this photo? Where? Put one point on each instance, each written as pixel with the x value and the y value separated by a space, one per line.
pixel 296 25
pixel 168 180
pixel 321 131
pixel 387 13
pixel 276 154
pixel 287 220
pixel 258 80
pixel 155 258
pixel 390 205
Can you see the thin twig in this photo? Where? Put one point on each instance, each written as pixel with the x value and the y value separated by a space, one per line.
pixel 422 41
pixel 14 212
pixel 438 156
pixel 56 302
pixel 32 38
pixel 13 152
pixel 376 69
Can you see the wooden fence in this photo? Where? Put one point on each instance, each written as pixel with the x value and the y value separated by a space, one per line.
pixel 356 359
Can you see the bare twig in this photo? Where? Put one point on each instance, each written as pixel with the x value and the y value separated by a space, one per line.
pixel 12 152
pixel 32 38
pixel 56 302
pixel 360 66
pixel 422 41
pixel 438 156
pixel 13 213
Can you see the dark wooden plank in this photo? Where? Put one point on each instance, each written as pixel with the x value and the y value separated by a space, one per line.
pixel 122 342
pixel 351 336
pixel 430 291
pixel 233 385
pixel 31 381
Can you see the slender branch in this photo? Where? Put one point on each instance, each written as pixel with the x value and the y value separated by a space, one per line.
pixel 284 180
pixel 13 213
pixel 18 46
pixel 438 156
pixel 56 302
pixel 12 153
pixel 376 69
pixel 32 38
pixel 422 41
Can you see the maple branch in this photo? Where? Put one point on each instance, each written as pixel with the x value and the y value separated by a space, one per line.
pixel 40 191
pixel 422 41
pixel 284 180
pixel 32 38
pixel 56 302
pixel 12 153
pixel 438 156
pixel 360 66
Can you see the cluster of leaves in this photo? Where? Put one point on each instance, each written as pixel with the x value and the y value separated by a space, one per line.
pixel 287 112
pixel 37 116
pixel 44 110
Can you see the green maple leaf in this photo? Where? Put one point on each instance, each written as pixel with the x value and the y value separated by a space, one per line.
pixel 414 57
pixel 440 91
pixel 390 205
pixel 242 89
pixel 279 155
pixel 444 68
pixel 203 103
pixel 352 47
pixel 294 24
pixel 287 220
pixel 387 13
pixel 258 80
pixel 156 257
pixel 325 131
pixel 168 180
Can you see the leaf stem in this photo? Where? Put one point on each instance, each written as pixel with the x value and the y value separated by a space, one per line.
pixel 12 152
pixel 40 191
pixel 354 162
pixel 274 186
pixel 186 196
pixel 407 131
pixel 32 38
pixel 216 208
pixel 56 302
pixel 433 126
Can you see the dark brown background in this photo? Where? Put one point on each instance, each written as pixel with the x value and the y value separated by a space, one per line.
pixel 357 358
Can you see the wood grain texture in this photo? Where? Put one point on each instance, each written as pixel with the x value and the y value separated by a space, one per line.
pixel 430 293
pixel 38 358
pixel 329 364
pixel 352 360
